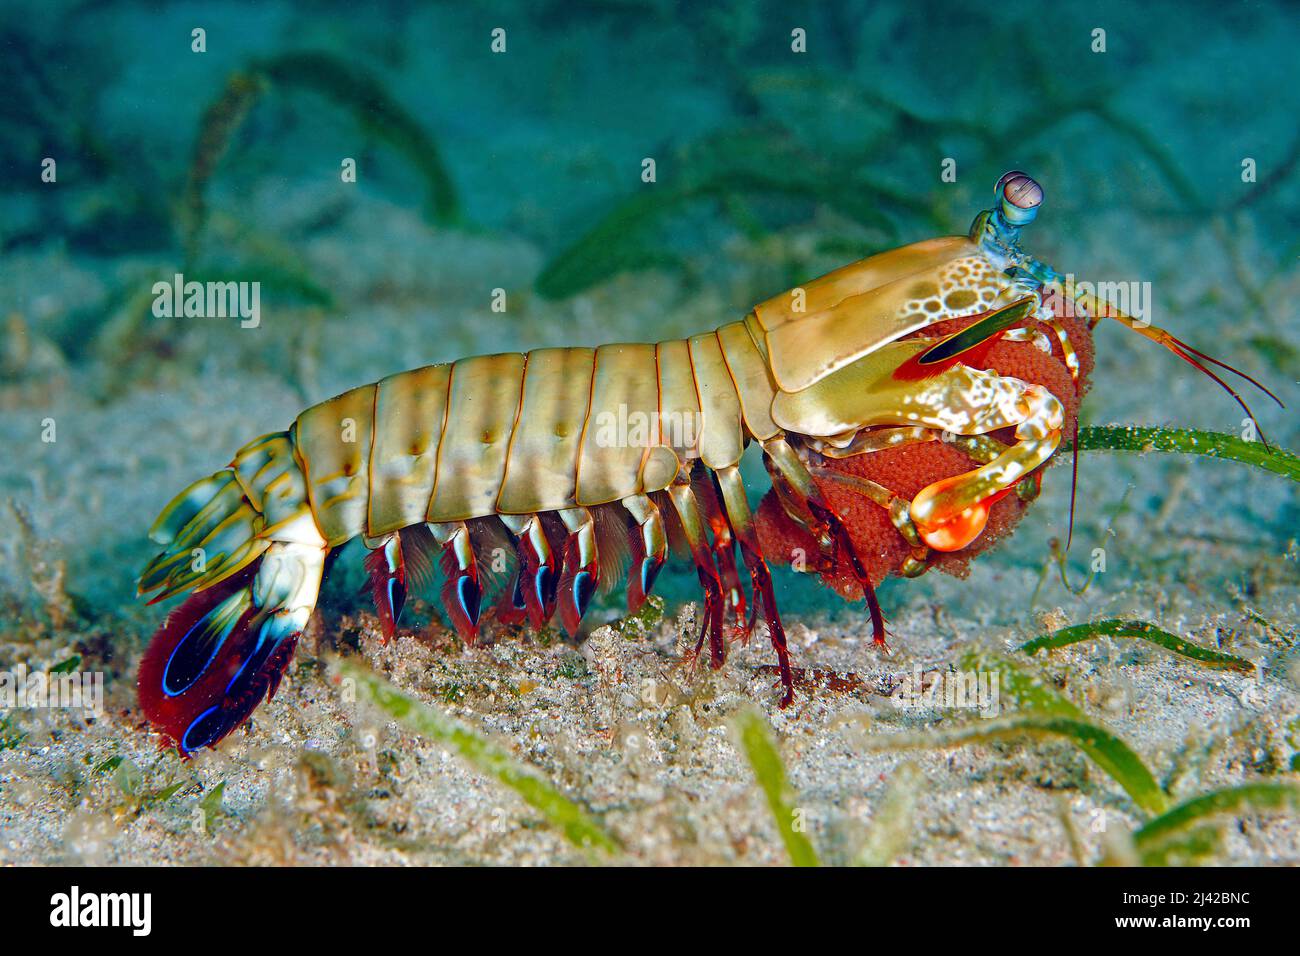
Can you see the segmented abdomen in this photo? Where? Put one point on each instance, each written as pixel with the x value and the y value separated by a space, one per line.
pixel 518 434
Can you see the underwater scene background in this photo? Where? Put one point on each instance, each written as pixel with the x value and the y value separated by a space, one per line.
pixel 389 172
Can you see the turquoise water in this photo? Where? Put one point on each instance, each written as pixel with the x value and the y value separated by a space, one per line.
pixel 771 166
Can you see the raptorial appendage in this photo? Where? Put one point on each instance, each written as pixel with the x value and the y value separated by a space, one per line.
pixel 921 394
pixel 916 497
pixel 244 540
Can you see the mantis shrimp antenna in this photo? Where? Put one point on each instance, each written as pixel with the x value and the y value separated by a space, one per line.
pixel 1100 308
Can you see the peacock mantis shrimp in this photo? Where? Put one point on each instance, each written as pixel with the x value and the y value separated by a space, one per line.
pixel 890 363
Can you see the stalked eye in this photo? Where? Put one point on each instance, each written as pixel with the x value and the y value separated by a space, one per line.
pixel 1019 196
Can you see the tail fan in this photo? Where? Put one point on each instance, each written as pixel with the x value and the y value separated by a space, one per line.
pixel 209 532
pixel 211 663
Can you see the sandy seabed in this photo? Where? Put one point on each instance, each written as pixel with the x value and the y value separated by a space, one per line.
pixel 540 152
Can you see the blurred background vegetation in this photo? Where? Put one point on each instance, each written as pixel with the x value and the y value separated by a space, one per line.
pixel 522 171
